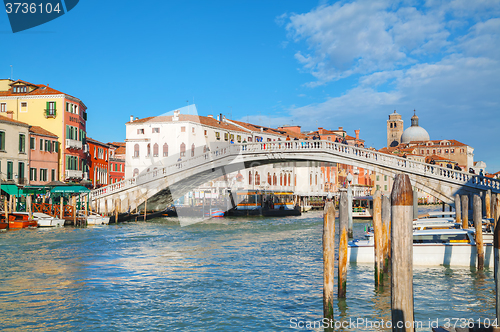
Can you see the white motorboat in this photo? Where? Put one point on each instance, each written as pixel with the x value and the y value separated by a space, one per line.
pixel 433 247
pixel 45 220
pixel 362 207
pixel 94 218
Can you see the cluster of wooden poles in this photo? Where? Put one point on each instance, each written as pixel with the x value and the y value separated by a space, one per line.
pixel 393 238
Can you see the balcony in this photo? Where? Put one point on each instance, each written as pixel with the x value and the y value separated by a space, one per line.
pixel 85 148
pixel 73 174
pixel 50 113
pixel 73 144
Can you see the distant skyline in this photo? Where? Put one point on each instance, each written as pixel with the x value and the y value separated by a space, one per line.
pixel 314 64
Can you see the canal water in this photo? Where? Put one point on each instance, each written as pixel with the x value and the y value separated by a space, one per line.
pixel 227 274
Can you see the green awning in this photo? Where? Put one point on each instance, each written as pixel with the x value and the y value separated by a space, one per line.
pixel 33 190
pixel 10 189
pixel 69 189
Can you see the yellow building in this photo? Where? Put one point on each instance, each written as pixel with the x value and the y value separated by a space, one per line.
pixel 55 111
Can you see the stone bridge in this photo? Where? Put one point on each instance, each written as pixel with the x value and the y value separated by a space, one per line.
pixel 161 185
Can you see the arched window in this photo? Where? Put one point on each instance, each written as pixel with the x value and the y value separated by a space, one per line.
pixel 391 125
pixel 316 179
pixel 281 179
pixel 148 150
pixel 395 125
pixel 250 177
pixel 269 180
pixel 289 177
pixel 275 179
pixel 165 150
pixel 155 150
pixel 192 150
pixel 136 150
pixel 310 179
pixel 295 179
pixel 284 179
pixel 136 171
pixel 183 149
pixel 257 178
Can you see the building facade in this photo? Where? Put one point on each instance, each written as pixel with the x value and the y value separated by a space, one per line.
pixel 44 156
pixel 59 113
pixel 116 162
pixel 98 163
pixel 14 154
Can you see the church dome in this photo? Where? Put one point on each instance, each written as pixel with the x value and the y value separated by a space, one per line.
pixel 415 132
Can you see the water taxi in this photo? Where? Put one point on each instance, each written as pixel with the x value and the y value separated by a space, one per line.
pixel 45 220
pixel 433 247
pixel 20 220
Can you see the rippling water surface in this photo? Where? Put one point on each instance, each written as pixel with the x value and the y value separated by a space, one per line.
pixel 245 274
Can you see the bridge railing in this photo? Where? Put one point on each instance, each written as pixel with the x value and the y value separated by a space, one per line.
pixel 353 152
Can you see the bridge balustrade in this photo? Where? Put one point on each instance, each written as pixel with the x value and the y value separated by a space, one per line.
pixel 356 153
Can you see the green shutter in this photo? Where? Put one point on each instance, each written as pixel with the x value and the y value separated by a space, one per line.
pixel 47 106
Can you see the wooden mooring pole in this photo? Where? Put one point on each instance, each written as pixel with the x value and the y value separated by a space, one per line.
pixel 349 211
pixel 328 258
pixel 73 203
pixel 61 208
pixel 6 209
pixel 386 227
pixel 402 255
pixel 415 204
pixel 478 223
pixel 465 211
pixel 496 248
pixel 343 239
pixel 28 206
pixel 487 204
pixel 458 215
pixel 377 238
pixel 145 208
pixel 497 210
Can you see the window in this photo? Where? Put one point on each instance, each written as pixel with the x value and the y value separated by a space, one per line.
pixel 249 139
pixel 452 150
pixel 385 187
pixel 32 143
pixel 192 130
pixel 433 151
pixel 281 179
pixel 22 143
pixel 155 150
pixel 140 131
pixel 284 180
pixel 52 175
pixel 10 170
pixel 43 174
pixel 148 150
pixel 316 179
pixel 226 136
pixel 136 151
pixel 41 144
pixel 249 177
pixel 446 151
pixel 183 150
pixel 232 136
pixel 217 135
pixel 238 138
pixel 183 129
pixel 205 133
pixel 32 174
pixel 136 172
pixel 275 179
pixel 2 140
pixel 385 177
pixel 3 107
pixel 289 183
pixel 24 107
pixel 48 146
pixel 56 146
pixel 156 130
pixel 257 178
pixel 20 172
pixel 192 150
pixel 378 178
pixel 165 150
pixel 378 187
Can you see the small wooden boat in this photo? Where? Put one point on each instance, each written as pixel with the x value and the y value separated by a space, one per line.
pixel 45 220
pixel 4 226
pixel 20 220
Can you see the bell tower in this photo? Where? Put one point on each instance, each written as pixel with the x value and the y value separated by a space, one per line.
pixel 394 129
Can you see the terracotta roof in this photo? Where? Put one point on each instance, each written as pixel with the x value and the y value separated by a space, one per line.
pixel 117 144
pixel 120 150
pixel 40 131
pixel 91 140
pixel 437 158
pixel 293 134
pixel 204 120
pixel 256 128
pixel 5 118
pixel 437 142
pixel 41 89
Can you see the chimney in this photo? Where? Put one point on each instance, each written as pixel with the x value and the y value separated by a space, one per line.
pixel 176 115
pixel 224 118
pixel 220 117
pixel 136 118
pixel 10 114
pixel 341 128
pixel 131 118
pixel 357 133
pixel 320 130
pixel 261 129
pixel 210 116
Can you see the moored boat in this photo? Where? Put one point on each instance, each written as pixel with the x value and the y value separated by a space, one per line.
pixel 45 220
pixel 20 220
pixel 449 247
pixel 362 207
pixel 93 218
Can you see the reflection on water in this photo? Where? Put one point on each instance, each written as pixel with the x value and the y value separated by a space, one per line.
pixel 228 274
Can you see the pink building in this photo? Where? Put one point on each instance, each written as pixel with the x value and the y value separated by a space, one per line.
pixel 44 156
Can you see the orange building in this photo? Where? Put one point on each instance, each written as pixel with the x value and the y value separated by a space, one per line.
pixel 98 162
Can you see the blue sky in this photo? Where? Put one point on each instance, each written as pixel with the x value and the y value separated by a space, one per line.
pixel 305 63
